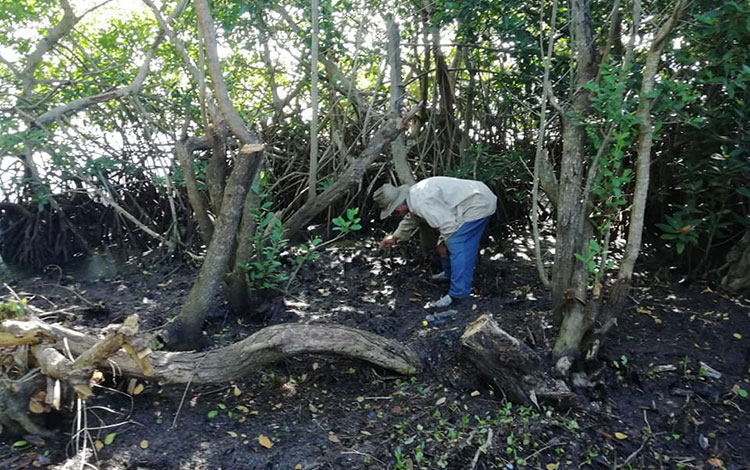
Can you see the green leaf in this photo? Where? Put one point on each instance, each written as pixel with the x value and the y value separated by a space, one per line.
pixel 110 438
pixel 212 414
pixel 680 247
pixel 18 444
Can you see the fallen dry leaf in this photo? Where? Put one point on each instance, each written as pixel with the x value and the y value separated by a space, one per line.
pixel 552 466
pixel 236 391
pixel 620 435
pixel 265 441
pixel 144 444
pixel 99 445
pixel 37 404
pixel 333 438
pixel 715 462
pixel 737 335
pixel 138 389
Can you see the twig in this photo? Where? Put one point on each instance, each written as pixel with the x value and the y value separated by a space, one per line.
pixel 482 449
pixel 639 449
pixel 73 291
pixel 184 394
pixel 356 452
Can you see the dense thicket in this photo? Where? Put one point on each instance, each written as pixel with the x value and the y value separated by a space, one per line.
pixel 115 128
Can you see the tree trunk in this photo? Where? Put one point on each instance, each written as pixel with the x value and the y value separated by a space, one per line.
pixel 738 266
pixel 620 290
pixel 205 226
pixel 351 176
pixel 185 331
pixel 569 277
pixel 398 146
pixel 312 176
pixel 237 290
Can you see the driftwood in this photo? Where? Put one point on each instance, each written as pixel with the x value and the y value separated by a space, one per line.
pixel 511 366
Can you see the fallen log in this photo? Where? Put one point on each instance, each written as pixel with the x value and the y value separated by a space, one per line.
pixel 122 351
pixel 267 346
pixel 511 366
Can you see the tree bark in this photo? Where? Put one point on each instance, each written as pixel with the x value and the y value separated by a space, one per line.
pixel 185 331
pixel 351 176
pixel 398 146
pixel 267 346
pixel 569 277
pixel 511 365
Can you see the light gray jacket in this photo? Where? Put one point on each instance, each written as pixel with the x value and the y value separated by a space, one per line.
pixel 445 204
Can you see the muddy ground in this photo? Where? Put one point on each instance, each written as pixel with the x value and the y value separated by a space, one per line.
pixel 650 403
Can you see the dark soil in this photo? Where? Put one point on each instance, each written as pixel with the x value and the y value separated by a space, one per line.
pixel 649 402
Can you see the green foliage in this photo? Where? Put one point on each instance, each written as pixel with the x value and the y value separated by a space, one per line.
pixel 590 256
pixel 12 309
pixel 507 171
pixel 680 228
pixel 307 251
pixel 264 270
pixel 348 223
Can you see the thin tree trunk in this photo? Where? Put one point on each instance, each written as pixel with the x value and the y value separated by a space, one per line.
pixel 540 154
pixel 205 226
pixel 621 288
pixel 569 277
pixel 312 176
pixel 398 146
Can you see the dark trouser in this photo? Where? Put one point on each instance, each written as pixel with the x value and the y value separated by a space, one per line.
pixel 463 247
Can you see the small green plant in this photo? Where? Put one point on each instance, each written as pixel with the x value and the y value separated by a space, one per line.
pixel 13 309
pixel 680 228
pixel 348 224
pixel 264 270
pixel 399 456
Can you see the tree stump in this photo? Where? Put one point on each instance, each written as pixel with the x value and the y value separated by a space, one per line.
pixel 512 367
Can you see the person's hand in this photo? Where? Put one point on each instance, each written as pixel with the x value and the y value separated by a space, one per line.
pixel 442 250
pixel 387 242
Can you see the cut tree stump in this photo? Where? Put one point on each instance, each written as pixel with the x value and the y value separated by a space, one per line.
pixel 514 368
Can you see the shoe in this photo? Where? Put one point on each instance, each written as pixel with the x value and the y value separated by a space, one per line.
pixel 441 276
pixel 442 302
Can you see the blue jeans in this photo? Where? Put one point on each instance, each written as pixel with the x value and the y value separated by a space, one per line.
pixel 463 247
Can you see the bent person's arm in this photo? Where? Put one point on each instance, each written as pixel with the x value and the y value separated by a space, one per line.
pixel 406 228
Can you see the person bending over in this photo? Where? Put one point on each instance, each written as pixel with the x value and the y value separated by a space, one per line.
pixel 460 209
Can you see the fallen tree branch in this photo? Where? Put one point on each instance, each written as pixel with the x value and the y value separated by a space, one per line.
pixel 267 346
